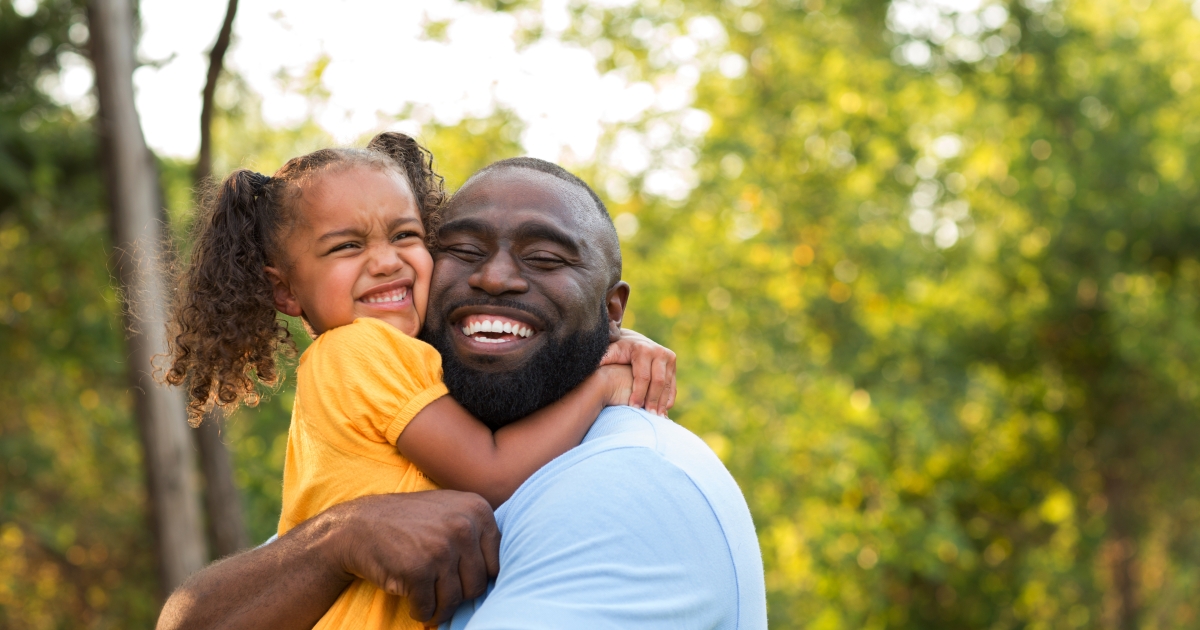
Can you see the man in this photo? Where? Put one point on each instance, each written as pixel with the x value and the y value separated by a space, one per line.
pixel 638 527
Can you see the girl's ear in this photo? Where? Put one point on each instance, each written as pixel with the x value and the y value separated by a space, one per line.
pixel 285 300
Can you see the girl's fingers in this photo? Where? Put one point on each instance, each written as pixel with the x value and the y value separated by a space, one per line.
pixel 658 383
pixel 641 380
pixel 669 401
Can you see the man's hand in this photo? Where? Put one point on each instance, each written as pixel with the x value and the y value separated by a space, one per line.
pixel 653 370
pixel 434 548
pixel 437 548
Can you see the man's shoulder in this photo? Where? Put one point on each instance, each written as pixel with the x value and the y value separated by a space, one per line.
pixel 633 449
pixel 633 492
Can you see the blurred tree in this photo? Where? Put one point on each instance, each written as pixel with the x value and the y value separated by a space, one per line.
pixel 138 233
pixel 222 503
pixel 74 549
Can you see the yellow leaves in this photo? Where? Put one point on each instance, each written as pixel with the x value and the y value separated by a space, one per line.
pixel 850 102
pixel 669 306
pixel 11 536
pixel 803 255
pixel 719 444
pixel 1033 243
pixel 840 292
pixel 860 400
pixel 972 415
pixel 22 301
pixel 1058 507
pixel 89 399
pixel 997 552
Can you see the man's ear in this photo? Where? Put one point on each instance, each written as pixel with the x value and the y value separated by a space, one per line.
pixel 615 301
pixel 285 300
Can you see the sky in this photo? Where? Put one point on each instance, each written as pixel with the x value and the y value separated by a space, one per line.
pixel 379 63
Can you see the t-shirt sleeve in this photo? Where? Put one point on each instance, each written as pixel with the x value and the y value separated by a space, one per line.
pixel 375 377
pixel 643 549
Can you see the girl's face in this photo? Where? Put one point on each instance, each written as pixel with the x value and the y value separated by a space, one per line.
pixel 357 250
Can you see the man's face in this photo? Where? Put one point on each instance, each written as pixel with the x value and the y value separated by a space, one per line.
pixel 520 304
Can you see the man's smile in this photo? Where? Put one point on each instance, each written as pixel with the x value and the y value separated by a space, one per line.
pixel 491 329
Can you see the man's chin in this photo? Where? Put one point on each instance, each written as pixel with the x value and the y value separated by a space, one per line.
pixel 501 385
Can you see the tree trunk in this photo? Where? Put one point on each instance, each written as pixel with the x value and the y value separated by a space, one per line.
pixel 216 62
pixel 227 530
pixel 137 238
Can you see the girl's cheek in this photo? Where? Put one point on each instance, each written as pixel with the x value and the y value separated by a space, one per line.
pixel 423 266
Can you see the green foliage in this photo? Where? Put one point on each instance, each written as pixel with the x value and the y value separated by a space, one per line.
pixel 74 548
pixel 940 321
pixel 985 425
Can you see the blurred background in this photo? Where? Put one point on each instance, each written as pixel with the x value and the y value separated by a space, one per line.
pixel 930 268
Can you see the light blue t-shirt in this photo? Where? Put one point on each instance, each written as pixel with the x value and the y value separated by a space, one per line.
pixel 640 526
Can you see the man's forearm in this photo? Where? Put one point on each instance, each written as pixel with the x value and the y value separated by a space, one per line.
pixel 287 584
pixel 435 547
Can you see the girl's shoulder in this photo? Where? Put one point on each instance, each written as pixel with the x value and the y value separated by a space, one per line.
pixel 372 342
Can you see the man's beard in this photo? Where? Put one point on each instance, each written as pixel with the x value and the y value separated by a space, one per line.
pixel 498 398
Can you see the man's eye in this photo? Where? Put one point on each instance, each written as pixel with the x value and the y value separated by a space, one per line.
pixel 463 251
pixel 544 260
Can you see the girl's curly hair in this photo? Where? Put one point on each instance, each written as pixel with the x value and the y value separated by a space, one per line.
pixel 224 334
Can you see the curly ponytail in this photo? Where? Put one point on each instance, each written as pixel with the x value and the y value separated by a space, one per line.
pixel 224 334
pixel 224 330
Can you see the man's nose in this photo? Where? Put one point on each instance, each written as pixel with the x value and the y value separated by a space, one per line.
pixel 499 274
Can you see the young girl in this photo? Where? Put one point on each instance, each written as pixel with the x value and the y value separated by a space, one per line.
pixel 338 237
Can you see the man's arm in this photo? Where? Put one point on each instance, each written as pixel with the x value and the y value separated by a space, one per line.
pixel 436 548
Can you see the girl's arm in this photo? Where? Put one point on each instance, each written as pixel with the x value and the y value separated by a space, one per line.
pixel 459 452
pixel 653 370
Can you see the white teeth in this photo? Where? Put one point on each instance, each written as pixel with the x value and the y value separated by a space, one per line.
pixel 394 296
pixel 495 327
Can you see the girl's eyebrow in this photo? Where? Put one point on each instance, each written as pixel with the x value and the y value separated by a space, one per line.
pixel 353 231
pixel 339 233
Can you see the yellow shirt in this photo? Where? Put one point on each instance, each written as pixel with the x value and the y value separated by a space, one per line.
pixel 357 387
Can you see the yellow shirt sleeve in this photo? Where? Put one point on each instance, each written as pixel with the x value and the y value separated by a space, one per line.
pixel 374 378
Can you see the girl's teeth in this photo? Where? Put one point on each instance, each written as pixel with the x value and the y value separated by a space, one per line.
pixel 394 296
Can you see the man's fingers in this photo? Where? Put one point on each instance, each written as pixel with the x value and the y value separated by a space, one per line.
pixel 472 573
pixel 489 544
pixel 449 596
pixel 422 601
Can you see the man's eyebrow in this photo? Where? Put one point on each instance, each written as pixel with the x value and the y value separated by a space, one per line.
pixel 473 226
pixel 541 231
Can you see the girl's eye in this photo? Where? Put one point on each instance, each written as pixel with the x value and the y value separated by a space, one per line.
pixel 343 246
pixel 403 235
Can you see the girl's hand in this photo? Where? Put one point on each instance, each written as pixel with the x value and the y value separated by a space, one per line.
pixel 618 384
pixel 653 370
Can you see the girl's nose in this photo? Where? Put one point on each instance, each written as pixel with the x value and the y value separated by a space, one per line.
pixel 384 261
